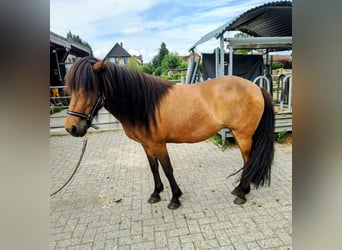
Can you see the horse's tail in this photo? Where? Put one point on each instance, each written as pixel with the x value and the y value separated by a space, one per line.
pixel 258 168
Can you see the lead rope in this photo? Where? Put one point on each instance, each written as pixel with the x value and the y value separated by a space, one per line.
pixel 85 139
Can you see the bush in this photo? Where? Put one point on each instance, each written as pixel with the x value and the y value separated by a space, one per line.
pixel 158 71
pixel 280 137
pixel 174 76
pixel 277 65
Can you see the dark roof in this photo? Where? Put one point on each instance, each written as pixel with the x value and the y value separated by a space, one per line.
pixel 268 20
pixel 118 51
pixel 272 19
pixel 72 47
pixel 60 48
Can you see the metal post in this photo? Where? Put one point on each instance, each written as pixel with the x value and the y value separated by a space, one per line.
pixel 230 65
pixel 59 69
pixel 267 58
pixel 217 63
pixel 221 55
pixel 223 131
pixel 289 77
pixel 190 68
pixel 193 77
pixel 290 93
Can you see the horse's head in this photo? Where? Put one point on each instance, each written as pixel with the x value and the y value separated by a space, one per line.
pixel 82 109
pixel 85 98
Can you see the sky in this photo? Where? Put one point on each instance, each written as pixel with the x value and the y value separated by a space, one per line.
pixel 142 25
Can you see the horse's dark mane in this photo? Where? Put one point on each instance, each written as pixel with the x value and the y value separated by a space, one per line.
pixel 130 95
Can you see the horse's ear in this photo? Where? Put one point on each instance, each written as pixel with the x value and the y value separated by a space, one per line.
pixel 98 66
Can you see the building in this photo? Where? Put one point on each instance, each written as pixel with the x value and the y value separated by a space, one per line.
pixel 187 58
pixel 138 59
pixel 63 52
pixel 118 54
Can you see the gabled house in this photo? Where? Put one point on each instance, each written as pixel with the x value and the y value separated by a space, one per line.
pixel 118 54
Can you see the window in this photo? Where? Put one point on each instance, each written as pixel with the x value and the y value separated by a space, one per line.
pixel 114 59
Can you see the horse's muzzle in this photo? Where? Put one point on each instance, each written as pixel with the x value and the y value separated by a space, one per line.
pixel 77 131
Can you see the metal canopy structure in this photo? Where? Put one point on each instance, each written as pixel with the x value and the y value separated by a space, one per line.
pixel 260 43
pixel 269 24
pixel 272 19
pixel 57 41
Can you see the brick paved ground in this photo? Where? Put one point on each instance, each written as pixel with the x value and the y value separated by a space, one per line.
pixel 105 205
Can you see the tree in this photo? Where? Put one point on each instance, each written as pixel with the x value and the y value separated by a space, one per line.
pixel 132 63
pixel 147 68
pixel 172 61
pixel 157 59
pixel 241 34
pixel 77 39
pixel 241 51
pixel 163 51
pixel 163 61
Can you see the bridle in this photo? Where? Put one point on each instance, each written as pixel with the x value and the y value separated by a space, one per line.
pixel 89 118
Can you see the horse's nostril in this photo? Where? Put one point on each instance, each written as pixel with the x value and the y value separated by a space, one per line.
pixel 73 129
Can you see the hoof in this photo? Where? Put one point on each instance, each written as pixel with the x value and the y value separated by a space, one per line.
pixel 174 205
pixel 154 199
pixel 240 192
pixel 236 192
pixel 239 200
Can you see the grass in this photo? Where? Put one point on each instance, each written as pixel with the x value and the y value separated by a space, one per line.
pixel 217 139
pixel 55 109
pixel 282 137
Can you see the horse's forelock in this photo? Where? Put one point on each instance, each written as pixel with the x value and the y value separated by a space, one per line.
pixel 81 76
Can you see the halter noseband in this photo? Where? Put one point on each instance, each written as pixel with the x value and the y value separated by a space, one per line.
pixel 89 118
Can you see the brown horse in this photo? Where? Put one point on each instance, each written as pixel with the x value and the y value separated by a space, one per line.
pixel 154 112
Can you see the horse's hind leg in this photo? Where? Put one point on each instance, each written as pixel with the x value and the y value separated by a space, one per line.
pixel 245 143
pixel 158 185
pixel 240 192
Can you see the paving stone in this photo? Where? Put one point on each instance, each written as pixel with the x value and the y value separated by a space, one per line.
pixel 105 205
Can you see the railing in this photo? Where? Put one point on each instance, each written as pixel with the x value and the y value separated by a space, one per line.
pixel 282 93
pixel 60 104
pixel 286 87
pixel 59 101
pixel 282 98
pixel 262 81
pixel 104 119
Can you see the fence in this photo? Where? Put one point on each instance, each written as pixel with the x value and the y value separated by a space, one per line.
pixel 282 98
pixel 281 89
pixel 59 104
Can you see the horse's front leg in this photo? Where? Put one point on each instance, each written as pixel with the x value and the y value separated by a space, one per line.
pixel 164 159
pixel 158 185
